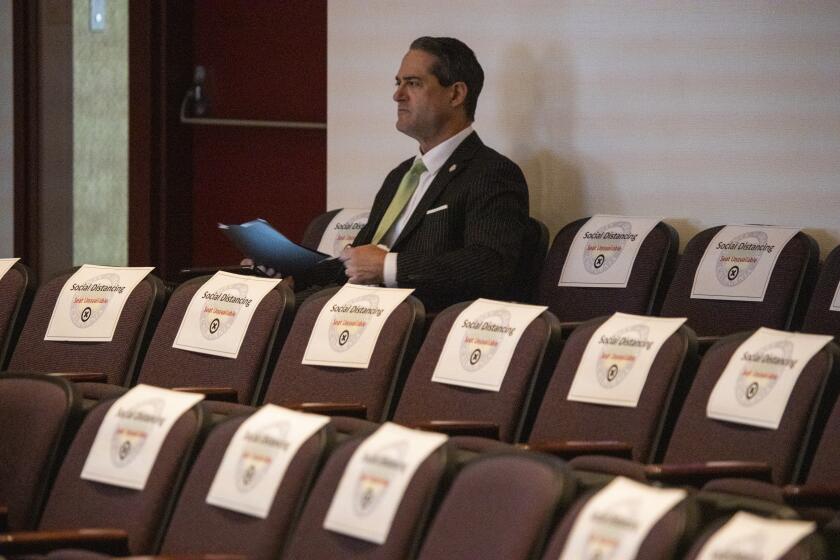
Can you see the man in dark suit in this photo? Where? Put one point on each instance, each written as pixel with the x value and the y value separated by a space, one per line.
pixel 449 222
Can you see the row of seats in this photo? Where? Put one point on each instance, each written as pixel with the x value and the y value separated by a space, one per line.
pixel 796 297
pixel 661 280
pixel 530 407
pixel 505 505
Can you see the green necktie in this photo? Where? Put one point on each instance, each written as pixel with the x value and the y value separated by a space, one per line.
pixel 407 187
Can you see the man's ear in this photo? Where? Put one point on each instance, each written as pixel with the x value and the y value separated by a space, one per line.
pixel 458 95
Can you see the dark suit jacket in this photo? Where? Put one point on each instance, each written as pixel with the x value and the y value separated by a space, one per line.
pixel 468 247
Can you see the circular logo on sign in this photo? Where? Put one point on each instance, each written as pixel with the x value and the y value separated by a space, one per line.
pixel 87 306
pixel 261 448
pixel 346 236
pixel 608 528
pixel 735 265
pixel 133 427
pixel 348 325
pixel 617 358
pixel 378 471
pixel 480 343
pixel 217 316
pixel 601 254
pixel 757 378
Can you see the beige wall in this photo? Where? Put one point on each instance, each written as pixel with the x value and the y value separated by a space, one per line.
pixel 100 136
pixel 702 112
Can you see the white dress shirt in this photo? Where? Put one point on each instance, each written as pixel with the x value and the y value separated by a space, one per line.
pixel 433 160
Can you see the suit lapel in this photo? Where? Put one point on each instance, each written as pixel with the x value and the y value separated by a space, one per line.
pixel 456 163
pixel 381 203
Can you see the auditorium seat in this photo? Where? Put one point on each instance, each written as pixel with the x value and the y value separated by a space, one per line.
pixel 457 410
pixel 667 538
pixel 17 288
pixel 316 228
pixel 499 507
pixel 237 379
pixel 784 301
pixel 117 360
pixel 531 259
pixel 126 521
pixel 819 318
pixel 646 285
pixel 368 392
pixel 699 443
pixel 312 541
pixel 199 528
pixel 569 428
pixel 812 547
pixel 38 417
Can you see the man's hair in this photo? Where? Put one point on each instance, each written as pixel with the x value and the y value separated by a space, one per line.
pixel 455 62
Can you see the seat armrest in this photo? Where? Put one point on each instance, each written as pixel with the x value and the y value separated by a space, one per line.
pixel 811 495
pixel 571 449
pixel 454 428
pixel 82 377
pixel 223 394
pixel 698 474
pixel 353 410
pixel 4 519
pixel 190 273
pixel 108 541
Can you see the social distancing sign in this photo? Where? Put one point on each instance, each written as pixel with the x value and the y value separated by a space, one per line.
pixel 835 302
pixel 220 312
pixel 375 480
pixel 90 303
pixel 616 363
pixel 257 458
pixel 757 382
pixel 750 537
pixel 6 265
pixel 739 261
pixel 342 230
pixel 615 522
pixel 132 433
pixel 604 251
pixel 349 325
pixel 481 343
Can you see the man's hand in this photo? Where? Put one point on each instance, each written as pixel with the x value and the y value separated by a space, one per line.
pixel 364 265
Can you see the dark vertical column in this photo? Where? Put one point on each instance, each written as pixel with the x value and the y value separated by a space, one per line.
pixel 26 98
pixel 160 148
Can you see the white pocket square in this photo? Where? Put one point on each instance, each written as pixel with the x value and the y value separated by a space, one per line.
pixel 438 209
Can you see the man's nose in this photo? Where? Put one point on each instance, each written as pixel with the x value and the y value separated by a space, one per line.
pixel 399 93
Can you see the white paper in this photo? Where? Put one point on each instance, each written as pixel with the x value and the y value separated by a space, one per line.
pixel 342 230
pixel 604 250
pixel 132 433
pixel 617 360
pixel 6 265
pixel 375 480
pixel 220 313
pixel 481 343
pixel 615 522
pixel 89 305
pixel 756 384
pixel 739 261
pixel 349 325
pixel 257 457
pixel 755 538
pixel 835 303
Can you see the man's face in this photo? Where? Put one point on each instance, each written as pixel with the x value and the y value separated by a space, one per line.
pixel 423 105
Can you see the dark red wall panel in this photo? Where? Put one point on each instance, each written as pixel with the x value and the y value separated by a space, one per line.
pixel 265 60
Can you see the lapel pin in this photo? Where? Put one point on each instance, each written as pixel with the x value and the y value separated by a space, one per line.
pixel 453 167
